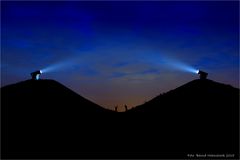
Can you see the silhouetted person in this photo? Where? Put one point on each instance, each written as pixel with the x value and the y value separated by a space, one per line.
pixel 116 108
pixel 126 108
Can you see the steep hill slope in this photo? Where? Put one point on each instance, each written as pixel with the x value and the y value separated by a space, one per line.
pixel 201 116
pixel 45 93
pixel 44 119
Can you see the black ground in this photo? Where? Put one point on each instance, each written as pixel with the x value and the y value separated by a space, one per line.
pixel 44 119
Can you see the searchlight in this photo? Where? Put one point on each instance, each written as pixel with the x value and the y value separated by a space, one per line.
pixel 36 75
pixel 202 74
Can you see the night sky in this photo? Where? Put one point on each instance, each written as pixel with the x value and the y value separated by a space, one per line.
pixel 116 53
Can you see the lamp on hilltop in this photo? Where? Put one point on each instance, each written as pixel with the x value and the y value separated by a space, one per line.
pixel 202 75
pixel 36 75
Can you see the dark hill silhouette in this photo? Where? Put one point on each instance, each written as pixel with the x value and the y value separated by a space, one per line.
pixel 195 93
pixel 44 119
pixel 201 116
pixel 45 93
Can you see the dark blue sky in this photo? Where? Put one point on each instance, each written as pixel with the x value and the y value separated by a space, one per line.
pixel 117 53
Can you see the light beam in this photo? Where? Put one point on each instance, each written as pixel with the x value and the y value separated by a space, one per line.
pixel 65 64
pixel 178 65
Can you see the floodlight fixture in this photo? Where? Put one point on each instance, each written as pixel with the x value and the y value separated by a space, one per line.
pixel 36 75
pixel 202 74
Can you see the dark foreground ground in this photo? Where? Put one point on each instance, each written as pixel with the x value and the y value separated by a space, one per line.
pixel 44 119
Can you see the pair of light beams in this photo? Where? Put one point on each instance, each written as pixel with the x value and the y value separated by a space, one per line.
pixel 36 75
pixel 162 61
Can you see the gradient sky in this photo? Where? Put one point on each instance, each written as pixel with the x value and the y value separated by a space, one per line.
pixel 117 53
